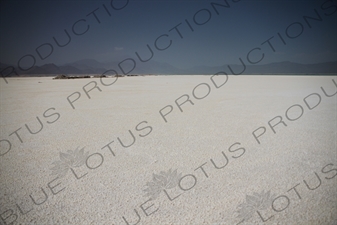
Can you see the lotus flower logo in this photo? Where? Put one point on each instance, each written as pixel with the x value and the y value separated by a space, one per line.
pixel 69 160
pixel 161 181
pixel 254 203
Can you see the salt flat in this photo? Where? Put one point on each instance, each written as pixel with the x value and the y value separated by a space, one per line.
pixel 169 150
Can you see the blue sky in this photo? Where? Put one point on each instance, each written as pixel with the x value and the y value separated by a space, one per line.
pixel 134 24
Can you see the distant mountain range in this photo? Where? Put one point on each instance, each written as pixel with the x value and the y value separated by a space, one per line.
pixel 90 66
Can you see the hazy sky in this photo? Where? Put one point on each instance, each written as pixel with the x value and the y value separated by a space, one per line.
pixel 115 30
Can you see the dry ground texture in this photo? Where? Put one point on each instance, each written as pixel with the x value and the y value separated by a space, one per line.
pixel 169 150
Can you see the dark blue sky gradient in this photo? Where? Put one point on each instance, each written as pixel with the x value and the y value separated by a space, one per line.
pixel 25 25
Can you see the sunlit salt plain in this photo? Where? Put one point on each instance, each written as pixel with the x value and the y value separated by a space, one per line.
pixel 169 150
